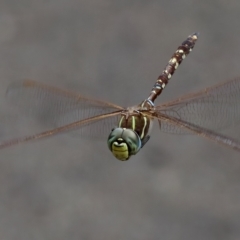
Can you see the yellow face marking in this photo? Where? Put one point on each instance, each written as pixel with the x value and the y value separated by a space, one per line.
pixel 169 75
pixel 183 56
pixel 163 85
pixel 176 66
pixel 120 151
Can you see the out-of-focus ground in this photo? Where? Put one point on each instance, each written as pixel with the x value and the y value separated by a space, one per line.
pixel 177 187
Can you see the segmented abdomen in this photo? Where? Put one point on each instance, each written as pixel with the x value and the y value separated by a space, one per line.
pixel 183 50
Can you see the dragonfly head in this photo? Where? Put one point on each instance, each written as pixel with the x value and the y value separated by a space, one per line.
pixel 123 143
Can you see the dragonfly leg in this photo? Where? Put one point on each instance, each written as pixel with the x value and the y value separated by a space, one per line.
pixel 145 140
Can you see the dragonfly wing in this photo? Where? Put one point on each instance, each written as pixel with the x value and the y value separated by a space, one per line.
pixel 97 129
pixel 214 108
pixel 54 107
pixel 209 134
pixel 51 132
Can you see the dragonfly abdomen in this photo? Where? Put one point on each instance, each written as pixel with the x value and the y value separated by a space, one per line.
pixel 183 50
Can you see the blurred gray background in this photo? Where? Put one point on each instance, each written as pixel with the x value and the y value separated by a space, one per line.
pixel 65 187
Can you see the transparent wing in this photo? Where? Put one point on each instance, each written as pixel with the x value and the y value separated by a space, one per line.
pixel 209 134
pixel 68 127
pixel 214 108
pixel 55 107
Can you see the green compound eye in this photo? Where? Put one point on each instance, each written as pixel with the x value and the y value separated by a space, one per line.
pixel 123 143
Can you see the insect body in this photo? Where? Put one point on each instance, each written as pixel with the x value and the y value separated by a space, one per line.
pixel 133 130
pixel 202 113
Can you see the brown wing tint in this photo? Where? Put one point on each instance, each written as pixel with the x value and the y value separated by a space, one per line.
pixel 61 129
pixel 214 108
pixel 55 107
pixel 209 134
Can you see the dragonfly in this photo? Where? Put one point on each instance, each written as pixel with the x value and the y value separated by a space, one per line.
pixel 203 113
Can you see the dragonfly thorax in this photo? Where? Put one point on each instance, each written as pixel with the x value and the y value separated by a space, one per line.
pixel 123 143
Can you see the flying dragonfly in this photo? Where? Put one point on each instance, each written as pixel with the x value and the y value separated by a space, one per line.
pixel 202 113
